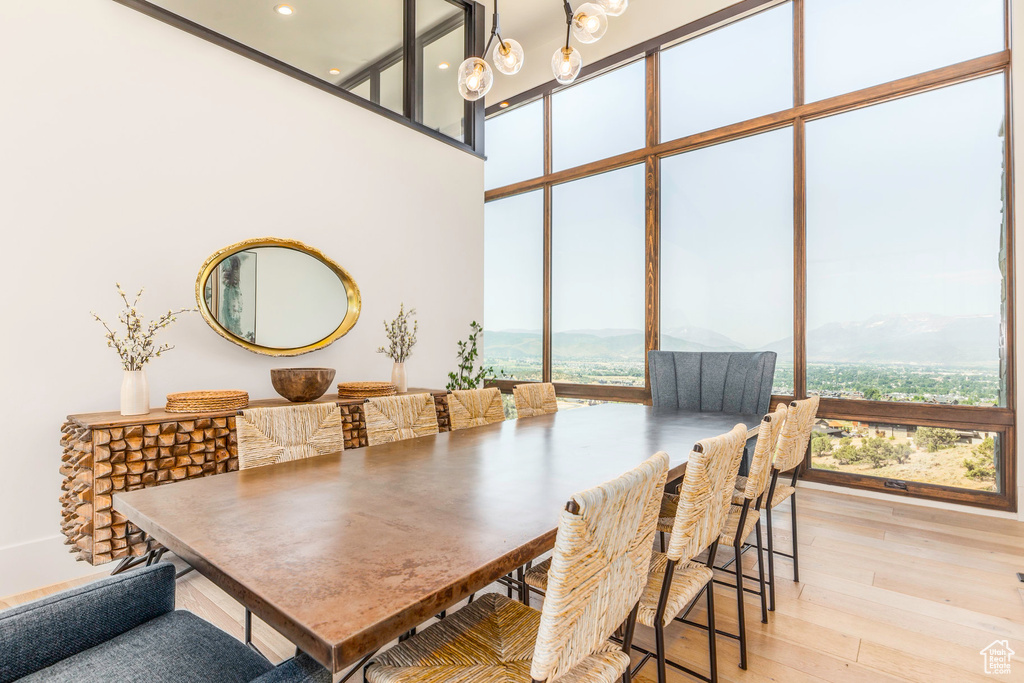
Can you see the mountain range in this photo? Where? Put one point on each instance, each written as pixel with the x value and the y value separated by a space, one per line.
pixel 911 338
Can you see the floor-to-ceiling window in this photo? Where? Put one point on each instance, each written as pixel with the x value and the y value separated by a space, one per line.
pixel 807 179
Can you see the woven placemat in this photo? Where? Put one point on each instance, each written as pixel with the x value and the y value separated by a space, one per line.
pixel 366 389
pixel 206 401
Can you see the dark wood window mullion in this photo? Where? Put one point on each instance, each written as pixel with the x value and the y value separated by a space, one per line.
pixel 546 334
pixel 652 174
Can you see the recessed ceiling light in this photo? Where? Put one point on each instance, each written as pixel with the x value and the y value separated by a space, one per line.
pixel 443 65
pixel 285 10
pixel 335 72
pixel 503 104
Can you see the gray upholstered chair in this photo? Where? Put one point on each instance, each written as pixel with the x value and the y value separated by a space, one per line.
pixel 125 628
pixel 714 382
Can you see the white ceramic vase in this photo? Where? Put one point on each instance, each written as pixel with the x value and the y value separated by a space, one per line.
pixel 134 393
pixel 399 378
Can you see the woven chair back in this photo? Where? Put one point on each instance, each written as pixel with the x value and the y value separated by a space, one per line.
pixel 796 434
pixel 396 418
pixel 270 435
pixel 535 399
pixel 706 494
pixel 475 408
pixel 598 567
pixel 760 472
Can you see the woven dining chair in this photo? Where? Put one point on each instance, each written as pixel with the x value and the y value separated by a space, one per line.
pixel 695 519
pixel 281 433
pixel 742 520
pixel 598 573
pixel 278 434
pixel 789 454
pixel 475 408
pixel 535 399
pixel 396 418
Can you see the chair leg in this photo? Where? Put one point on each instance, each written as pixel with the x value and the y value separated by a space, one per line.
pixel 524 590
pixel 659 637
pixel 760 575
pixel 661 535
pixel 771 560
pixel 796 546
pixel 738 547
pixel 712 643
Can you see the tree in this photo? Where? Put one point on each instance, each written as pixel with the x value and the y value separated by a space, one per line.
pixel 934 439
pixel 847 453
pixel 821 444
pixel 983 464
pixel 872 394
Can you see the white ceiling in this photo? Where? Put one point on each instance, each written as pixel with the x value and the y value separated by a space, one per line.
pixel 321 34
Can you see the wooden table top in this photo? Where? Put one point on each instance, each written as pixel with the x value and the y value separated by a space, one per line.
pixel 344 552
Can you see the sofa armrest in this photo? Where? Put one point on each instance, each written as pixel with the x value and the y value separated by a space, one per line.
pixel 38 634
pixel 299 669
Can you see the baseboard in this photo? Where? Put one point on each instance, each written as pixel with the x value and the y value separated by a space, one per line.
pixel 906 500
pixel 39 563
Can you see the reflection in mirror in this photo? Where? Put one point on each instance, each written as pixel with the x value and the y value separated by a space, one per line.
pixel 356 46
pixel 277 297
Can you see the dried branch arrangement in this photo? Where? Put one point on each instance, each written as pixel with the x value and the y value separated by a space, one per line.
pixel 400 338
pixel 138 346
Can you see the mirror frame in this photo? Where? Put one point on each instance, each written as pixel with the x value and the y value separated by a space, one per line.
pixel 351 289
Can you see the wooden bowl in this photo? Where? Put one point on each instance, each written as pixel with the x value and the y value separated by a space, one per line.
pixel 301 385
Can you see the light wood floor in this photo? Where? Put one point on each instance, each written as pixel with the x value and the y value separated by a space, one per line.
pixel 888 592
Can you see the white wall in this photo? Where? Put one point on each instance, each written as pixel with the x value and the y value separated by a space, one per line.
pixel 130 151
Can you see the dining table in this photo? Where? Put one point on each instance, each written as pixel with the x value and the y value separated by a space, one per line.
pixel 344 552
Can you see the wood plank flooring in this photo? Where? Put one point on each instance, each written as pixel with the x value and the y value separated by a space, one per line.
pixel 888 592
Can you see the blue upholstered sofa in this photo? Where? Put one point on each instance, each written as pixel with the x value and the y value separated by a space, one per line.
pixel 124 628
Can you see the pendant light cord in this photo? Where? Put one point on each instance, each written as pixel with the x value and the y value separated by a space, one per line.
pixel 496 32
pixel 568 21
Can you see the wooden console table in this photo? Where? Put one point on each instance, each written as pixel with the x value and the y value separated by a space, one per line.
pixel 106 453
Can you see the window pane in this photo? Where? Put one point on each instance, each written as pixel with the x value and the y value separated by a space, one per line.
pixel 391 80
pixel 441 27
pixel 905 248
pixel 597 295
pixel 513 284
pixel 859 43
pixel 599 118
pixel 730 75
pixel 727 265
pixel 515 146
pixel 333 41
pixel 964 458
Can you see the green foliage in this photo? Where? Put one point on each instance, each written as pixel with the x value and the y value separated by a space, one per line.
pixel 934 439
pixel 872 394
pixel 821 444
pixel 847 453
pixel 880 452
pixel 982 465
pixel 469 376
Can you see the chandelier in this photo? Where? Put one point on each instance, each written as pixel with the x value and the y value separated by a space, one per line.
pixel 587 23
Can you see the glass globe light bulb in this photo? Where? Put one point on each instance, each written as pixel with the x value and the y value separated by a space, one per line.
pixel 613 8
pixel 566 64
pixel 589 23
pixel 508 58
pixel 475 78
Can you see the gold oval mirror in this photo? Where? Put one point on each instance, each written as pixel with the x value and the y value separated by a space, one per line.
pixel 277 297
